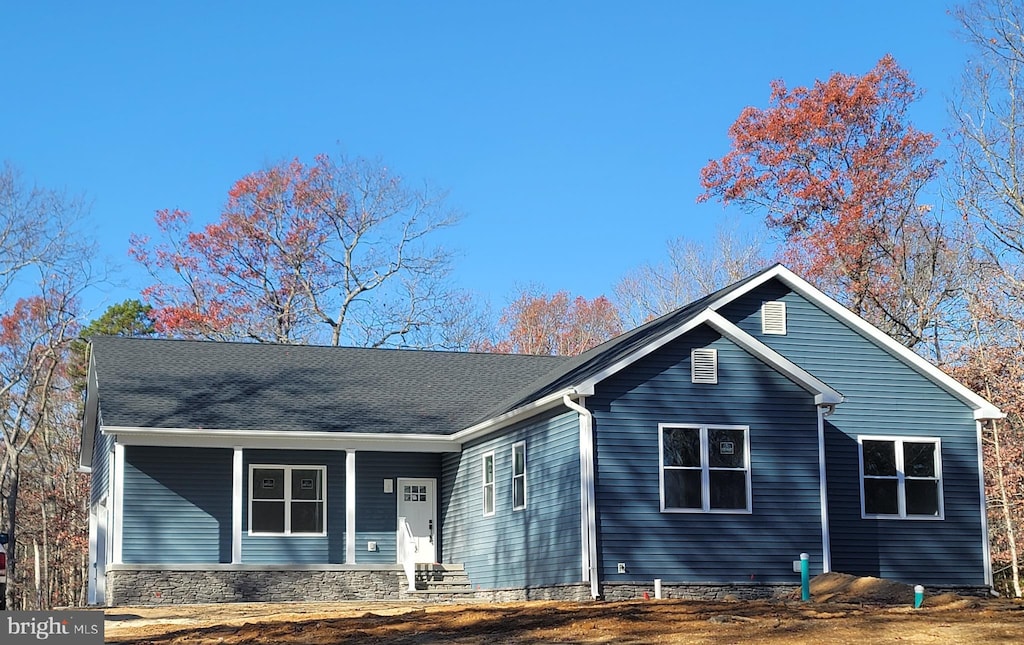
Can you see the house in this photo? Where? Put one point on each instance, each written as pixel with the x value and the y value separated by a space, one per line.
pixel 707 449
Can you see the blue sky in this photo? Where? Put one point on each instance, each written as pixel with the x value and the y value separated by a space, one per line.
pixel 571 134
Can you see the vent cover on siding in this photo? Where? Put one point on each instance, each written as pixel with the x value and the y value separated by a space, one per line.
pixel 704 366
pixel 773 317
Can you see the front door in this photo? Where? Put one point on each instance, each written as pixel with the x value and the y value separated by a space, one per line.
pixel 416 503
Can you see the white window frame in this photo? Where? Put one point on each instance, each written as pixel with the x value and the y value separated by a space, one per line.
pixel 765 329
pixel 522 475
pixel 706 353
pixel 901 477
pixel 488 486
pixel 288 468
pixel 705 467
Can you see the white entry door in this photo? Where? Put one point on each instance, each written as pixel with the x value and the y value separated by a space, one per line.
pixel 416 503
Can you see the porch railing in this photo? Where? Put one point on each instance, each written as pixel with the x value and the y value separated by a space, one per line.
pixel 407 549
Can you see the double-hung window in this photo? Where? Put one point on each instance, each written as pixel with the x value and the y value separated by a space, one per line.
pixel 704 468
pixel 519 476
pixel 488 483
pixel 287 500
pixel 901 477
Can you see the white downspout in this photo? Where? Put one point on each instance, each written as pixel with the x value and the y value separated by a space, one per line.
pixel 826 538
pixel 588 513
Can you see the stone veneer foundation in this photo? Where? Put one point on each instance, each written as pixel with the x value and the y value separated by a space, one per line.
pixel 152 585
pixel 149 585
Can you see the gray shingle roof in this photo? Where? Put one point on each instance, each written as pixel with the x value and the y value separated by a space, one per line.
pixel 151 383
pixel 145 383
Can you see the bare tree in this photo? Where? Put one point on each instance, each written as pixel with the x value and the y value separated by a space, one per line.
pixel 44 266
pixel 691 270
pixel 988 185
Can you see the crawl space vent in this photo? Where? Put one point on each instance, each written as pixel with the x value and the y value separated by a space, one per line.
pixel 704 366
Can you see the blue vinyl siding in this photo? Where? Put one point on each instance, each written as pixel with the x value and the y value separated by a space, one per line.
pixel 377 511
pixel 883 397
pixel 99 478
pixel 177 505
pixel 536 546
pixel 785 517
pixel 297 549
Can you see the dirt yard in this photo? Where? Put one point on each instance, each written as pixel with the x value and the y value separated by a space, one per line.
pixel 844 609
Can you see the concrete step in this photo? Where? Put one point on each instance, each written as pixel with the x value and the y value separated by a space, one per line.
pixel 439 579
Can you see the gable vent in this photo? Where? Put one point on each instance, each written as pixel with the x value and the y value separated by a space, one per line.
pixel 704 365
pixel 773 318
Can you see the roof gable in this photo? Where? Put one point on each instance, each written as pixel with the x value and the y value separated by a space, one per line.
pixel 983 409
pixel 586 370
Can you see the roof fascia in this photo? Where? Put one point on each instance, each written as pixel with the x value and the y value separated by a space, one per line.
pixel 91 418
pixel 983 409
pixel 281 439
pixel 823 394
pixel 502 421
pixel 297 439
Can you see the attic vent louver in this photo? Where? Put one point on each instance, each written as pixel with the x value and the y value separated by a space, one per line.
pixel 704 365
pixel 773 318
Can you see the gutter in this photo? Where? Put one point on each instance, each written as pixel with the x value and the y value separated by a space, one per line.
pixel 588 511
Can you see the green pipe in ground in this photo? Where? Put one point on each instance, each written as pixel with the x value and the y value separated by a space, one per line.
pixel 805 577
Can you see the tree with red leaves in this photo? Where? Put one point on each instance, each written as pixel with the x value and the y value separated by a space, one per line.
pixel 543 325
pixel 336 251
pixel 838 170
pixel 44 264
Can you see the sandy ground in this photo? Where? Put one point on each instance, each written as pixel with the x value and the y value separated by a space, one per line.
pixel 843 610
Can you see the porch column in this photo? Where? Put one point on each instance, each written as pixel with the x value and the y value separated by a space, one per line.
pixel 118 495
pixel 350 507
pixel 237 486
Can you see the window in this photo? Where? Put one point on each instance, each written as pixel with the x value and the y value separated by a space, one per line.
pixel 900 477
pixel 488 481
pixel 287 500
pixel 705 469
pixel 704 365
pixel 773 318
pixel 519 476
pixel 414 493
